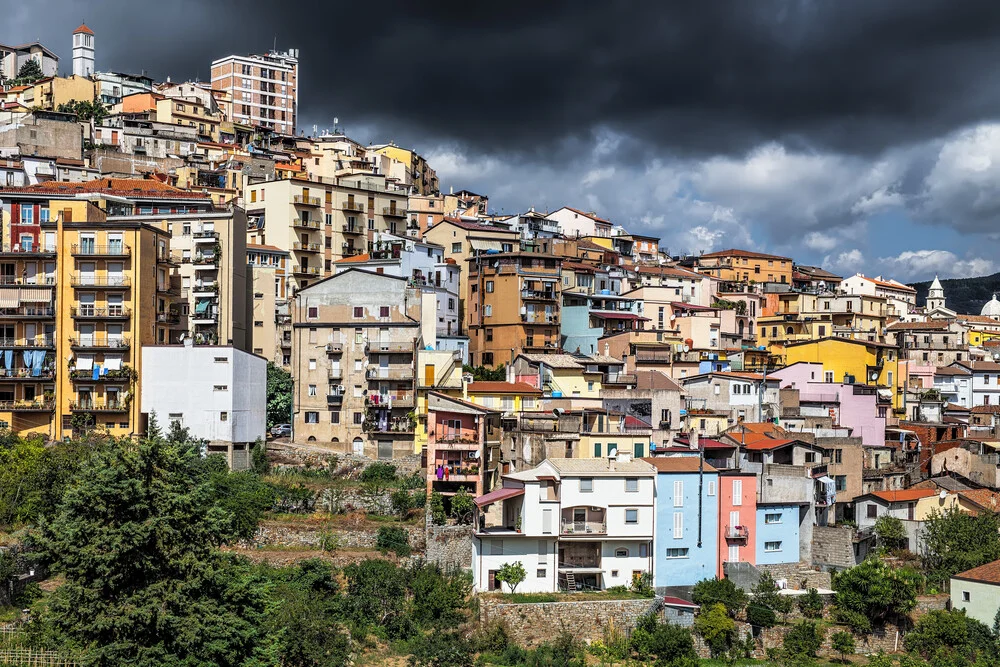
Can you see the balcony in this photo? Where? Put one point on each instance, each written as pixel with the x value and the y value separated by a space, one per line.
pixel 122 375
pixel 205 237
pixel 100 282
pixel 204 318
pixel 206 288
pixel 389 348
pixel 353 229
pixel 302 200
pixel 388 373
pixel 336 374
pixel 27 312
pixel 540 318
pixel 401 426
pixel 38 342
pixel 93 342
pixel 169 258
pixel 353 206
pixel 168 318
pixel 25 374
pixel 167 289
pixel 386 401
pixel 33 252
pixel 537 295
pixel 87 312
pixel 27 406
pixel 90 250
pixel 306 247
pixel 737 533
pixel 393 212
pixel 334 399
pixel 305 270
pixel 584 528
pixel 305 224
pixel 92 405
pixel 205 262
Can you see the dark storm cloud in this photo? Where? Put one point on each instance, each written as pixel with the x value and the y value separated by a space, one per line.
pixel 685 77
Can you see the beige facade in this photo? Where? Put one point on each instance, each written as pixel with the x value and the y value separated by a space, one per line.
pixel 264 88
pixel 267 267
pixel 353 342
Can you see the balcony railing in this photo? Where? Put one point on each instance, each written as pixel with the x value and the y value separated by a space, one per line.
pixel 305 224
pixel 353 229
pixel 389 348
pixel 306 201
pixel 200 259
pixel 94 313
pixel 336 374
pixel 81 280
pixel 306 270
pixel 91 405
pixel 205 236
pixel 353 206
pixel 334 399
pixel 306 247
pixel 36 342
pixel 122 375
pixel 23 312
pixel 393 212
pixel 26 374
pixel 538 295
pixel 168 289
pixel 89 250
pixel 540 318
pixel 401 400
pixel 382 373
pixel 584 527
pixel 101 342
pixel 737 532
pixel 22 251
pixel 168 318
pixel 27 406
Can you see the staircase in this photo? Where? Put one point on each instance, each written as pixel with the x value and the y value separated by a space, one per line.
pixel 571 582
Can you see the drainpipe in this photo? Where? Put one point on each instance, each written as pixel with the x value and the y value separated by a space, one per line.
pixel 701 482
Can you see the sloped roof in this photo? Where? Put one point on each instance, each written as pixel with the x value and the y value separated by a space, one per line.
pixel 678 464
pixel 122 187
pixel 84 29
pixel 903 495
pixel 749 254
pixel 919 326
pixel 585 466
pixel 987 574
pixel 488 387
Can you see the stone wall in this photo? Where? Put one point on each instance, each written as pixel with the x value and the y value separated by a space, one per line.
pixel 885 640
pixel 533 623
pixel 449 546
pixel 833 547
pixel 798 575
pixel 311 537
pixel 926 603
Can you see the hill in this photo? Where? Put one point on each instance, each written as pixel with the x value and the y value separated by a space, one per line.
pixel 964 295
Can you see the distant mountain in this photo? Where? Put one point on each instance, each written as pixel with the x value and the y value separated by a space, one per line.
pixel 964 295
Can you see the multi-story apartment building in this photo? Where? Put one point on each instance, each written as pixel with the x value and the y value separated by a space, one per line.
pixel 110 271
pixel 576 223
pixel 463 446
pixel 574 524
pixel 937 343
pixel 514 303
pixel 406 167
pixel 353 340
pixel 268 277
pixel 746 266
pixel 264 88
pixel 319 222
pixel 901 298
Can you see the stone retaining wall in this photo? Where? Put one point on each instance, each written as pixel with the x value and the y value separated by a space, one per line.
pixel 449 546
pixel 310 537
pixel 798 575
pixel 533 623
pixel 833 547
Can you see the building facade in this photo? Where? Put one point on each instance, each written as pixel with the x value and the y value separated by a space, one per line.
pixel 264 88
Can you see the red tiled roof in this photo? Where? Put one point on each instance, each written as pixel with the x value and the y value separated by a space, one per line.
pixel 677 602
pixel 123 187
pixel 904 495
pixel 980 319
pixel 487 387
pixel 749 254
pixel 262 246
pixel 593 216
pixel 918 326
pixel 885 283
pixel 766 444
pixel 474 226
pixel 678 464
pixel 84 29
pixel 985 409
pixel 353 260
pixel 985 498
pixel 988 574
pixel 498 495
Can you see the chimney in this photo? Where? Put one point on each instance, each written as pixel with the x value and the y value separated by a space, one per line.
pixel 693 440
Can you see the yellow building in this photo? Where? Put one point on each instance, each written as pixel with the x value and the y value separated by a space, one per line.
pixel 51 92
pixel 504 396
pixel 861 362
pixel 108 269
pixel 192 113
pixel 746 266
pixel 408 168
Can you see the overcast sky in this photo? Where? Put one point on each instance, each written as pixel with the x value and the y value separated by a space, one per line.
pixel 861 135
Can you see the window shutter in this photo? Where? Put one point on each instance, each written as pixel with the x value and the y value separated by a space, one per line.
pixel 737 492
pixel 678 493
pixel 678 525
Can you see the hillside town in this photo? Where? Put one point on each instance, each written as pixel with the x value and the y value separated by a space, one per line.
pixel 560 406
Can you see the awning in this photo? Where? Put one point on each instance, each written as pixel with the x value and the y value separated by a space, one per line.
pixel 113 362
pixel 498 495
pixel 9 298
pixel 618 316
pixel 35 295
pixel 486 244
pixel 885 394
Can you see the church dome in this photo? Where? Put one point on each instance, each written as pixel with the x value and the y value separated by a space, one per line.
pixel 992 308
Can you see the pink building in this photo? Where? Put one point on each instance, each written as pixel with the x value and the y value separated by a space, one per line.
pixel 852 406
pixel 737 519
pixel 463 446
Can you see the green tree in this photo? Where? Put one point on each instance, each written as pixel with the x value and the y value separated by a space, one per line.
pixel 279 395
pixel 710 591
pixel 439 598
pixel 716 627
pixel 955 541
pixel 438 515
pixel 811 604
pixel 136 539
pixel 394 539
pixel 890 532
pixel 462 506
pixel 85 110
pixel 766 602
pixel 512 574
pixel 843 643
pixel 951 632
pixel 664 642
pixel 874 592
pixel 803 640
pixel 29 72
pixel 485 374
pixel 376 598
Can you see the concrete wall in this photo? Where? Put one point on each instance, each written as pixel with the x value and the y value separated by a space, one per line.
pixel 784 531
pixel 701 561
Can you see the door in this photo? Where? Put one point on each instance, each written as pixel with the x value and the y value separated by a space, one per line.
pixel 115 305
pixel 383 366
pixel 734 553
pixel 429 375
pixel 115 244
pixel 114 335
pixel 87 272
pixel 115 273
pixel 86 334
pixel 734 520
pixel 50 241
pixel 87 244
pixel 358 446
pixel 546 521
pixel 31 273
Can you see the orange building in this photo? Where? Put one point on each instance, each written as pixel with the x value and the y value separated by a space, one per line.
pixel 746 266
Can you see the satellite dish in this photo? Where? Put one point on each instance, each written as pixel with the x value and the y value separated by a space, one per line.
pixel 687 348
pixel 873 376
pixel 613 454
pixel 943 494
pixel 557 411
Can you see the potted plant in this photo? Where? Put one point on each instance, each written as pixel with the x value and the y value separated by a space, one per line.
pixel 517 523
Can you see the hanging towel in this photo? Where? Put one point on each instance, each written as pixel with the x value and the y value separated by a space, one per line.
pixel 97 372
pixel 37 363
pixel 8 359
pixel 28 356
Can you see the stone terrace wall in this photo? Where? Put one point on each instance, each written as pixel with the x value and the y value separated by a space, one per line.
pixel 449 546
pixel 798 575
pixel 310 537
pixel 833 547
pixel 534 623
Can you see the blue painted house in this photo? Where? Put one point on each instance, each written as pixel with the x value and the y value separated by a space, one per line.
pixel 777 539
pixel 686 532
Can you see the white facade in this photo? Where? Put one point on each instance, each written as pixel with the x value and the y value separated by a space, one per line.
pixel 900 298
pixel 83 52
pixel 577 223
pixel 218 393
pixel 572 523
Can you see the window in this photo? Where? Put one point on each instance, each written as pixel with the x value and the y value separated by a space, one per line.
pixel 258 323
pixel 312 390
pixel 586 485
pixel 772 517
pixel 841 482
pixel 543 548
pixel 312 417
pixel 678 525
pixel 359 418
pixel 966 596
pixel 621 553
pixel 677 553
pixel 737 492
pixel 711 488
pixel 838 455
pixel 872 512
pixel 334 417
pixel 312 364
pixel 489 286
pixel 313 312
pixel 631 485
pixel 772 546
pixel 359 312
pixel 678 493
pixel 597 450
pixel 540 573
pixel 810 457
pixel 632 516
pixel 828 376
pixel 383 311
pixel 456 247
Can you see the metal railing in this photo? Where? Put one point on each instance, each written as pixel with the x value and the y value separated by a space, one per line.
pixel 37 341
pixel 353 206
pixel 27 406
pixel 307 224
pixel 737 532
pixel 80 280
pixel 306 201
pixel 306 270
pixel 389 348
pixel 539 295
pixel 89 250
pixel 353 229
pixel 393 212
pixel 25 373
pixel 27 311
pixel 21 250
pixel 392 373
pixel 306 247
pixel 583 527
pixel 92 312
pixel 92 405
pixel 112 343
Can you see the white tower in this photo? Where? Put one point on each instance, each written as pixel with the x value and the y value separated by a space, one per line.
pixel 935 295
pixel 83 51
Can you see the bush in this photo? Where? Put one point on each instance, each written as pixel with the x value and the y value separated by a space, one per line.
pixel 803 640
pixel 950 632
pixel 438 515
pixel 874 592
pixel 402 503
pixel 724 591
pixel 890 532
pixel 462 506
pixel 716 628
pixel 394 539
pixel 378 471
pixel 843 643
pixel 642 584
pixel 665 642
pixel 811 604
pixel 511 574
pixel 439 649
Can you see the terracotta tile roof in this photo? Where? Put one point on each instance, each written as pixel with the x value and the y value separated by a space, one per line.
pixel 475 226
pixel 985 498
pixel 123 187
pixel 955 407
pixel 749 254
pixel 674 271
pixel 918 326
pixel 578 266
pixel 487 387
pixel 891 284
pixel 766 444
pixel 904 495
pixel 988 574
pixel 353 260
pixel 985 409
pixel 262 246
pixel 677 464
pixel 951 370
pixel 84 29
pixel 593 216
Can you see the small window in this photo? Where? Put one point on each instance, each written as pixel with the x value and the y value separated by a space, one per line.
pixel 359 312
pixel 872 512
pixel 223 416
pixel 621 553
pixel 614 574
pixel 220 387
pixel 222 360
pixel 772 518
pixel 312 417
pixel 966 596
pixel 489 286
pixel 312 390
pixel 383 311
pixel 631 484
pixel 587 485
pixel 677 553
pixel 313 312
pixel 631 516
pixel 540 573
pixel 711 488
pixel 772 546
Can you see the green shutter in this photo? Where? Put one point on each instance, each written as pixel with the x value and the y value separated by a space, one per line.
pixel 638 450
pixel 597 450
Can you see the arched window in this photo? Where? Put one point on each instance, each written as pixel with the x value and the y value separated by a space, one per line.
pixel 621 553
pixel 789 331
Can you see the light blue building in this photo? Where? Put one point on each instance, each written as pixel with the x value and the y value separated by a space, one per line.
pixel 586 318
pixel 686 534
pixel 777 538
